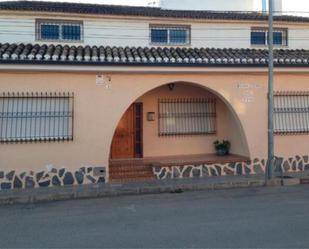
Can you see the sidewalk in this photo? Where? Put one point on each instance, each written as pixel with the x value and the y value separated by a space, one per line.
pixel 133 188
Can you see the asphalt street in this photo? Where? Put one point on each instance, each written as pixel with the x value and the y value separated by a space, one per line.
pixel 238 218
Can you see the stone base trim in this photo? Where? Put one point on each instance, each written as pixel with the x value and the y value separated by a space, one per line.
pixel 292 164
pixel 253 167
pixel 51 177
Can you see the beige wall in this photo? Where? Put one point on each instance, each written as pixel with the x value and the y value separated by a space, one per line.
pixel 291 145
pixel 98 110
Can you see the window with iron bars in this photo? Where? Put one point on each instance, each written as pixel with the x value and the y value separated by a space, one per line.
pixel 260 37
pixel 173 35
pixel 30 117
pixel 57 30
pixel 187 117
pixel 291 113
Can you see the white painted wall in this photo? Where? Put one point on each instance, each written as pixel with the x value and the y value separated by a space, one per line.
pixel 119 32
pixel 220 35
pixel 222 5
pixel 17 29
pixel 298 38
pixel 279 5
pixel 116 33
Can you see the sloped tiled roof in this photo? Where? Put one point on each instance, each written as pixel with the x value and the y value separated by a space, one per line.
pixel 58 54
pixel 100 9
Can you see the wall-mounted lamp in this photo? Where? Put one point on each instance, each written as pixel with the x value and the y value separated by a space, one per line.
pixel 151 116
pixel 171 86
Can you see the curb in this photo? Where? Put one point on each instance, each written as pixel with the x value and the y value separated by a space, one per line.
pixel 30 196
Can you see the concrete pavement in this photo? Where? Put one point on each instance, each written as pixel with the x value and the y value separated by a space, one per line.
pixel 240 218
pixel 24 196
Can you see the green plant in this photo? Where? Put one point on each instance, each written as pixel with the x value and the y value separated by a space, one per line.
pixel 222 147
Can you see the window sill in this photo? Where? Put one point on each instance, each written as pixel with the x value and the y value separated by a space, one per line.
pixel 291 133
pixel 170 45
pixel 35 140
pixel 60 41
pixel 266 46
pixel 188 134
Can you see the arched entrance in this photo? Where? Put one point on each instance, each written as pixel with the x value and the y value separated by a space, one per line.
pixel 173 124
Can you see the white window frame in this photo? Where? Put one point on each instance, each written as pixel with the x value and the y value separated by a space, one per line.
pixel 60 23
pixel 169 28
pixel 284 31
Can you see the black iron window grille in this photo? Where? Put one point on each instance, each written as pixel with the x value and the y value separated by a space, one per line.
pixel 30 117
pixel 291 113
pixel 187 117
pixel 59 30
pixel 260 36
pixel 173 35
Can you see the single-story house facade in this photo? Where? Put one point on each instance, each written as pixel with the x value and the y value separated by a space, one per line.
pixel 94 114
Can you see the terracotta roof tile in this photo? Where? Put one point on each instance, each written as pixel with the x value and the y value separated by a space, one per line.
pixel 59 54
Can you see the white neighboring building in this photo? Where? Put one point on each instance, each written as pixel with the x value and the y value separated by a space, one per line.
pixel 217 5
pixel 220 5
pixel 106 25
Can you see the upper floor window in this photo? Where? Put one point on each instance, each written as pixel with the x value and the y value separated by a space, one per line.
pixel 55 30
pixel 259 36
pixel 170 35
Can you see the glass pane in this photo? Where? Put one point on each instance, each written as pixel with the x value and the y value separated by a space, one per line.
pixel 71 32
pixel 278 38
pixel 50 31
pixel 178 36
pixel 258 38
pixel 159 36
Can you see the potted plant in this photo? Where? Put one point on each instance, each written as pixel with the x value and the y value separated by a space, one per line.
pixel 222 147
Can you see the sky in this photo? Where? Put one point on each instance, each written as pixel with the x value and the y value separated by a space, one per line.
pixel 117 2
pixel 288 5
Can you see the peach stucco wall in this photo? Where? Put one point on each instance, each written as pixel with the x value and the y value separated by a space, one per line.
pixel 291 145
pixel 98 110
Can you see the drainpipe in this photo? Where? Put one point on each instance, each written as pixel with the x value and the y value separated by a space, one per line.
pixel 270 159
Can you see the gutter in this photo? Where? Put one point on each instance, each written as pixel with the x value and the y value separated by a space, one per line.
pixel 57 66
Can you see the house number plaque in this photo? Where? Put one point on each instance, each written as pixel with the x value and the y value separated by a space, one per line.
pixel 104 80
pixel 247 91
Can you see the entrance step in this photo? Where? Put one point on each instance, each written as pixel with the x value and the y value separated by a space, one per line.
pixel 131 173
pixel 123 172
pixel 130 169
pixel 131 179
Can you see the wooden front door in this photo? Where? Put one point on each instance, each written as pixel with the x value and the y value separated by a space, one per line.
pixel 123 141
